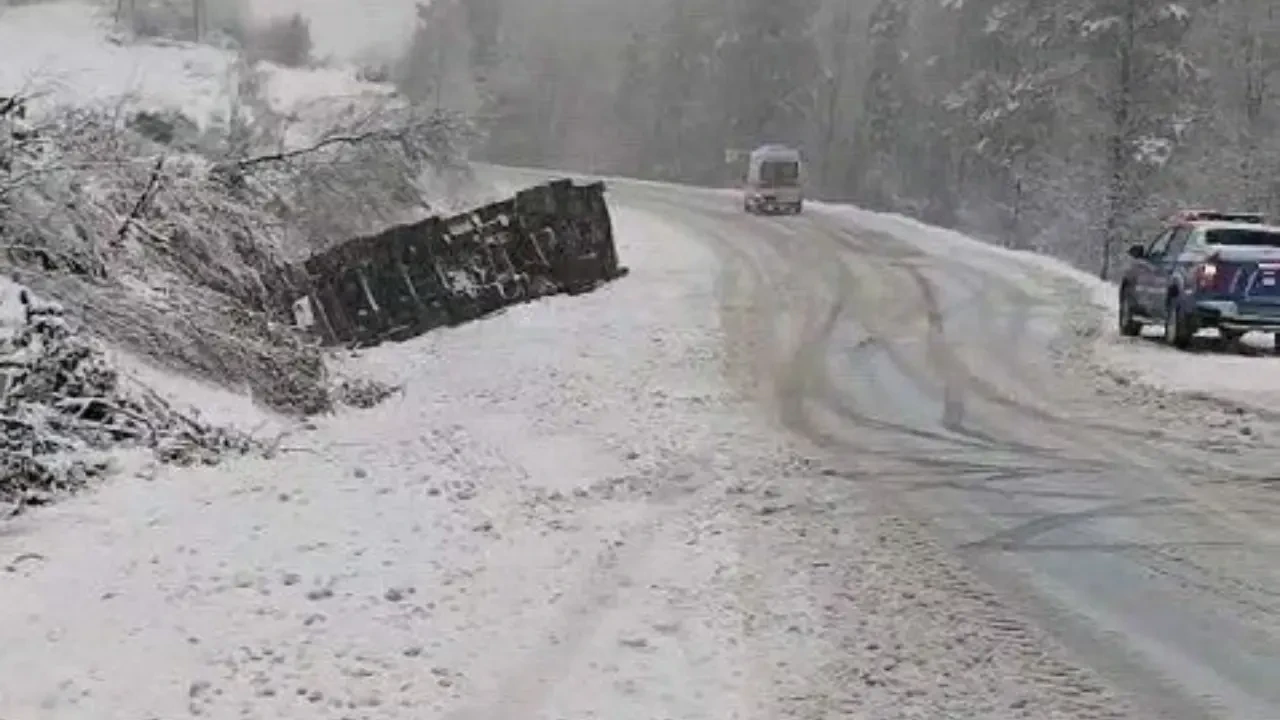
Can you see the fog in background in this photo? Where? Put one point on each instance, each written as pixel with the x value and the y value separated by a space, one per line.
pixel 347 29
pixel 1066 127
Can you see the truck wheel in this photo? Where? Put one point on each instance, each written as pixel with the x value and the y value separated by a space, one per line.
pixel 1129 327
pixel 1177 326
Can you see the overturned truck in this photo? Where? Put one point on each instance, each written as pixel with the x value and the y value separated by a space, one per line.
pixel 549 239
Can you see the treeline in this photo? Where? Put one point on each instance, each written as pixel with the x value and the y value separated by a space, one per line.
pixel 1065 127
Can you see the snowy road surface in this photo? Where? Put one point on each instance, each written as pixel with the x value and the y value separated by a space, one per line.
pixel 805 467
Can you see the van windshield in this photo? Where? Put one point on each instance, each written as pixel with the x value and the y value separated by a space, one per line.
pixel 779 173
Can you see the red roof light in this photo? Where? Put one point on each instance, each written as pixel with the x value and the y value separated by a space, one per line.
pixel 1189 216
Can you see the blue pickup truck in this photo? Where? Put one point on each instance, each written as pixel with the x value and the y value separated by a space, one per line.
pixel 1206 269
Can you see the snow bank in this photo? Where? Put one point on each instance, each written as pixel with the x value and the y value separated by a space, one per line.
pixel 63 52
pixel 935 240
pixel 201 399
pixel 13 314
pixel 1251 380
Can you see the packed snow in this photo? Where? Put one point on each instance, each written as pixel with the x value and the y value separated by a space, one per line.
pixel 202 399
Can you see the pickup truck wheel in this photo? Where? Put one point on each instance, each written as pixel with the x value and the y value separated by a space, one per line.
pixel 1177 328
pixel 1129 327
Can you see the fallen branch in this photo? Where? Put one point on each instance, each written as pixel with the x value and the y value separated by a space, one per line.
pixel 135 214
pixel 146 230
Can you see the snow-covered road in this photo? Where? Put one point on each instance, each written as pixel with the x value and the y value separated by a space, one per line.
pixel 731 485
pixel 567 514
pixel 979 392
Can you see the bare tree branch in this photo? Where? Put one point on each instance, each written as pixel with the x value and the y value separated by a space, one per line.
pixel 152 184
pixel 398 133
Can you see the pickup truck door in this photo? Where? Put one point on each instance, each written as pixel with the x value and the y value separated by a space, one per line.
pixel 1171 262
pixel 1150 281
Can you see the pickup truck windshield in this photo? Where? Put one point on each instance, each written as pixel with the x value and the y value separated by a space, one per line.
pixel 1262 238
pixel 779 173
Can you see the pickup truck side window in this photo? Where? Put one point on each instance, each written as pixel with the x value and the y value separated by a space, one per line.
pixel 1178 242
pixel 1195 240
pixel 1155 251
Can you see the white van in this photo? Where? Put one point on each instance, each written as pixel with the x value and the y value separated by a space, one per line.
pixel 775 181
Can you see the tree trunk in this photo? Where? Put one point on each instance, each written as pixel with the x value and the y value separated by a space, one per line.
pixel 1118 189
pixel 835 90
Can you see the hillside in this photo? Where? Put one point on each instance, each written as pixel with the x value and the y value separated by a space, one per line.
pixel 161 191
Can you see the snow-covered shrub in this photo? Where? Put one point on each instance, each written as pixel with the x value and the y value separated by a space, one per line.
pixel 170 128
pixel 375 71
pixel 187 258
pixel 63 408
pixel 362 393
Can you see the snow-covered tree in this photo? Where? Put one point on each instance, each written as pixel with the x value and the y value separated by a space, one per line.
pixel 886 97
pixel 1146 81
pixel 688 139
pixel 770 75
pixel 1059 126
pixel 437 70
